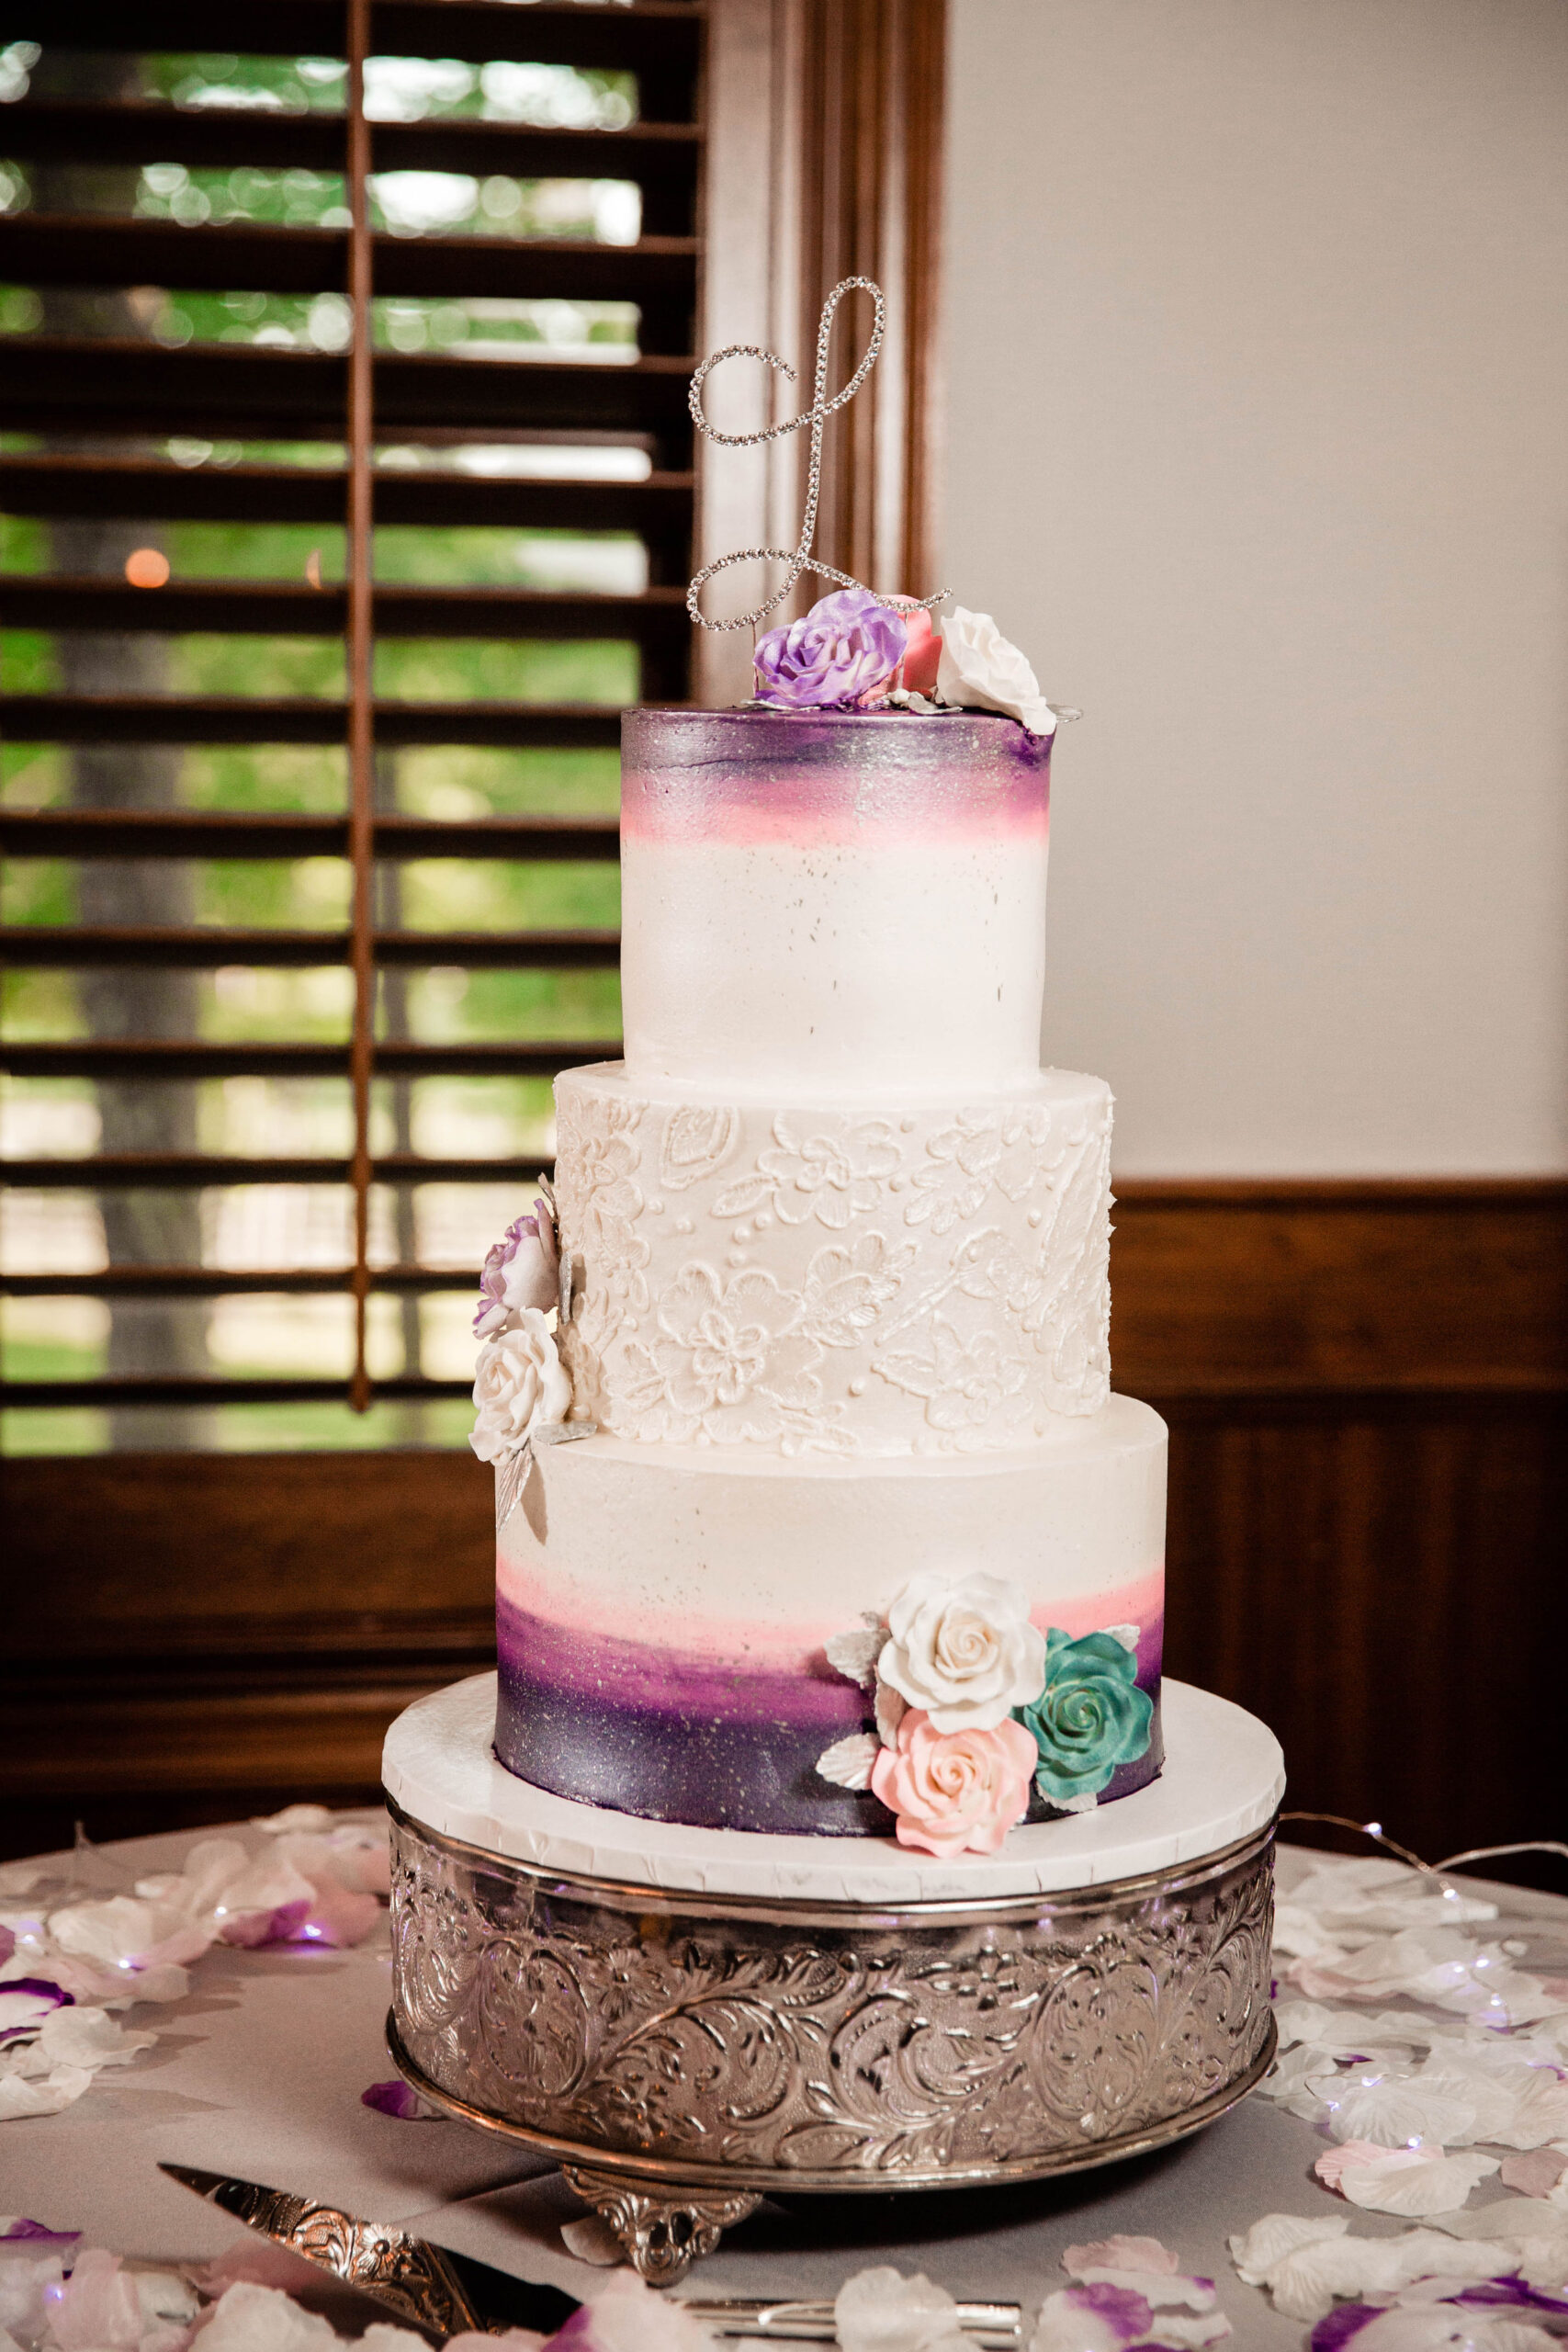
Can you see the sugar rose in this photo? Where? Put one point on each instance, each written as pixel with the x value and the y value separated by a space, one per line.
pixel 845 649
pixel 980 671
pixel 957 1791
pixel 521 1384
pixel 521 1270
pixel 1089 1717
pixel 962 1649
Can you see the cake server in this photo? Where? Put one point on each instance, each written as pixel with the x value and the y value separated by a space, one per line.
pixel 443 2293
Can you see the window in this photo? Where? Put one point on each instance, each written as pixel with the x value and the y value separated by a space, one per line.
pixel 225 1580
pixel 310 889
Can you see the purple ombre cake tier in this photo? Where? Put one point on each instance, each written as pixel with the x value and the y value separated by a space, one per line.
pixel 843 902
pixel 664 1614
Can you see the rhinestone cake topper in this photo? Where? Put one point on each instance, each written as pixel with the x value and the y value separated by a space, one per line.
pixel 800 558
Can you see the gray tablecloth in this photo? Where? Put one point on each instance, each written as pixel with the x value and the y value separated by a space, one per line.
pixel 259 2073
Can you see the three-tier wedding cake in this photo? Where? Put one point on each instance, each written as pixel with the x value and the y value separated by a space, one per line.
pixel 856 1538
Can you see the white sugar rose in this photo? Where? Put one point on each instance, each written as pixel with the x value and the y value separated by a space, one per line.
pixel 521 1384
pixel 979 670
pixel 962 1649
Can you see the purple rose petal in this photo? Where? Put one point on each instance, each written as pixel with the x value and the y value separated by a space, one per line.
pixel 1123 2308
pixel 1338 2327
pixel 397 2100
pixel 21 2231
pixel 844 648
pixel 1509 2293
pixel 41 1995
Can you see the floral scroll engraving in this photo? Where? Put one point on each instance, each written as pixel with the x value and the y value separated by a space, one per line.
pixel 824 2046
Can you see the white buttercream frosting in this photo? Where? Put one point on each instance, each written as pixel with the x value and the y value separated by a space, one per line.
pixel 892 970
pixel 739 1552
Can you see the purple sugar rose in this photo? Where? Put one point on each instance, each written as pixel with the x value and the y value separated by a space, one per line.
pixel 519 1271
pixel 846 646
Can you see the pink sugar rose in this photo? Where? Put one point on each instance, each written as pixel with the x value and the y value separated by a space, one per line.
pixel 921 654
pixel 955 1792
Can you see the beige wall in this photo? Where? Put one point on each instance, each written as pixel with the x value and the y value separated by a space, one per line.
pixel 1258 445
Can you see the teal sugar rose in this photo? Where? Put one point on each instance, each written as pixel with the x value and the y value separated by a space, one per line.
pixel 1090 1717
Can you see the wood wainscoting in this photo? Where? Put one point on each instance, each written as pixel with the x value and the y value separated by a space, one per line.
pixel 1366 1385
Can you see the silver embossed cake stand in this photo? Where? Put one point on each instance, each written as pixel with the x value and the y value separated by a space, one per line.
pixel 686 2020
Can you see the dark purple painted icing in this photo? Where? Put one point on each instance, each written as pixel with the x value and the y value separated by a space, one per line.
pixel 805 773
pixel 671 1739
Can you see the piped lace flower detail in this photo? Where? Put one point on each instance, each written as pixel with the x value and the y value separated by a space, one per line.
pixel 967 1385
pixel 957 1263
pixel 832 1170
pixel 728 1363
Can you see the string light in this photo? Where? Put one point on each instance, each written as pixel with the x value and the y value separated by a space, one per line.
pixel 1375 1829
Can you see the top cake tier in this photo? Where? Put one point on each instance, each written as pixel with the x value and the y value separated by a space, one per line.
pixel 833 901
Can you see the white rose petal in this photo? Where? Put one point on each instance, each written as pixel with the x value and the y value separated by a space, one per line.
pixel 631 2316
pixel 979 670
pixel 521 1383
pixel 964 1649
pixel 263 2318
pixel 1408 2183
pixel 1397 2111
pixel 19 2097
pixel 880 2311
pixel 82 2036
pixel 314 1818
pixel 1261 2249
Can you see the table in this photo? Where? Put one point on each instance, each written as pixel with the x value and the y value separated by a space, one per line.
pixel 259 2073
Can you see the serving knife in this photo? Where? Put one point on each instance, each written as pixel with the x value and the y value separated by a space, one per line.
pixel 441 2293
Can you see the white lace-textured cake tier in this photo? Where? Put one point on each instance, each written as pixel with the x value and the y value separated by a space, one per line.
pixel 835 1249
pixel 835 1279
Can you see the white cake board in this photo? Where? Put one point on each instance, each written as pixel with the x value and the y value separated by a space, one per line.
pixel 1222 1780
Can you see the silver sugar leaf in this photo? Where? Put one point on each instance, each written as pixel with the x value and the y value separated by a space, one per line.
pixel 849 1761
pixel 854 1655
pixel 511 1478
pixel 891 1708
pixel 1070 1805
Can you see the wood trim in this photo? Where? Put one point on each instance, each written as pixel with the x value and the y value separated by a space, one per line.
pixel 1357 1285
pixel 871 179
pixel 1366 1389
pixel 825 162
